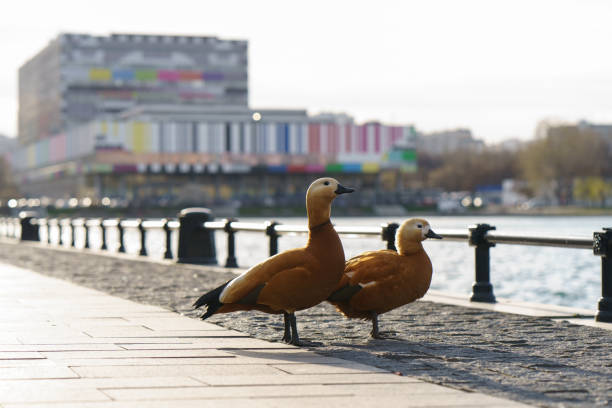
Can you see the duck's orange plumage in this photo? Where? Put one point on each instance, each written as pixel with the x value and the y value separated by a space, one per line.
pixel 376 282
pixel 295 279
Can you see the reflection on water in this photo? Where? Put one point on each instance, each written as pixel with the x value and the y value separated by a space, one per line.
pixel 569 277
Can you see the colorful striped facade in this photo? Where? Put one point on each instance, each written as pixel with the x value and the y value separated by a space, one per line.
pixel 128 146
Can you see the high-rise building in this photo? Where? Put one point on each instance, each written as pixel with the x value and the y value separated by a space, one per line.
pixel 80 77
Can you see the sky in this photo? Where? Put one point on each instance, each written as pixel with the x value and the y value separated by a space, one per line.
pixel 497 67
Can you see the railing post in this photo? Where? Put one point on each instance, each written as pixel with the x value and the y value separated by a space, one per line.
pixel 72 234
pixel 120 231
pixel 602 246
pixel 60 231
pixel 168 231
pixel 482 289
pixel 196 244
pixel 230 262
pixel 29 226
pixel 143 238
pixel 48 230
pixel 103 247
pixel 271 232
pixel 86 230
pixel 388 234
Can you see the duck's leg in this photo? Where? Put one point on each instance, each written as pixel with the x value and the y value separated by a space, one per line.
pixel 287 334
pixel 295 338
pixel 374 333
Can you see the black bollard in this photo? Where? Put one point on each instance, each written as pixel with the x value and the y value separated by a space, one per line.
pixel 143 239
pixel 29 226
pixel 231 261
pixel 196 244
pixel 602 246
pixel 271 232
pixel 388 234
pixel 482 290
pixel 168 231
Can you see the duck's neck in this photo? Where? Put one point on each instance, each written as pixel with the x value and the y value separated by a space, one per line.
pixel 318 211
pixel 409 248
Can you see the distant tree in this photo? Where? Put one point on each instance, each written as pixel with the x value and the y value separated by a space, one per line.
pixel 559 155
pixel 426 163
pixel 592 189
pixel 468 169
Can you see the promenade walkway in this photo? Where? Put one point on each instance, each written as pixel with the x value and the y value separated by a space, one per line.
pixel 63 345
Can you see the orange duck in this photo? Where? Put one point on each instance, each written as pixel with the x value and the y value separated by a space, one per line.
pixel 292 280
pixel 376 282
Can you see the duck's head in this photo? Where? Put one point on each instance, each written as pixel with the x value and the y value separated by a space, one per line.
pixel 327 188
pixel 411 232
pixel 319 197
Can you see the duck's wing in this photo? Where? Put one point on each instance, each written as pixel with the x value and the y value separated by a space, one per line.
pixel 364 270
pixel 370 267
pixel 246 287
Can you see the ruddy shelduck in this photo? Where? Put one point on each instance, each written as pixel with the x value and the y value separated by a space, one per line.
pixel 292 280
pixel 376 282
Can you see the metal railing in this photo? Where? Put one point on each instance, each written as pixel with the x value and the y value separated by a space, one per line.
pixel 196 242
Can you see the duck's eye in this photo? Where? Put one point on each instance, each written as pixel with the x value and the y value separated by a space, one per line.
pixel 326 183
pixel 419 226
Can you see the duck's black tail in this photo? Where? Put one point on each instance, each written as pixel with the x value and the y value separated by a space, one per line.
pixel 211 300
pixel 344 294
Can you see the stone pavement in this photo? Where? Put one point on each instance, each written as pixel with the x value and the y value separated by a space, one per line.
pixel 540 356
pixel 63 345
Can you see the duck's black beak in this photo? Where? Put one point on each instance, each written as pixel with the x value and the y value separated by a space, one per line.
pixel 342 190
pixel 431 234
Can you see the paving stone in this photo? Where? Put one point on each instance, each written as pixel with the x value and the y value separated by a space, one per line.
pixel 21 373
pixel 172 323
pixel 26 362
pixel 121 353
pixel 173 371
pixel 164 361
pixel 346 367
pixel 13 355
pixel 426 391
pixel 13 348
pixel 210 403
pixel 50 392
pixel 101 383
pixel 290 379
pixel 142 332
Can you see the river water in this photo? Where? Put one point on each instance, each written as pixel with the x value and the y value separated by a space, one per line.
pixel 560 276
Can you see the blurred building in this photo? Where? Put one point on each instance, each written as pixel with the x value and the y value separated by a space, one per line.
pixel 602 130
pixel 166 119
pixel 79 77
pixel 7 144
pixel 437 143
